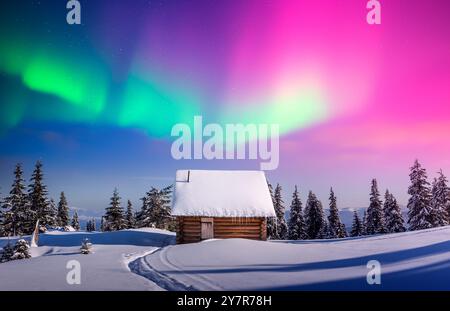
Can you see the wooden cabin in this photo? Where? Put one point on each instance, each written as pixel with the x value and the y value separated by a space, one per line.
pixel 221 204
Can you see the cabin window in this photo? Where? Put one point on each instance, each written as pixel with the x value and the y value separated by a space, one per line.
pixel 207 228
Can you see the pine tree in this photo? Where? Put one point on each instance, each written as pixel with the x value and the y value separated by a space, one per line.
pixel 155 211
pixel 324 232
pixel 62 217
pixel 17 215
pixel 102 224
pixel 419 207
pixel 364 223
pixel 75 223
pixel 272 233
pixel 7 253
pixel 281 226
pixel 357 227
pixel 21 250
pixel 440 200
pixel 374 222
pixel 88 225
pixel 52 213
pixel 392 214
pixel 114 216
pixel 335 226
pixel 130 216
pixel 37 193
pixel 314 217
pixel 297 224
pixel 93 225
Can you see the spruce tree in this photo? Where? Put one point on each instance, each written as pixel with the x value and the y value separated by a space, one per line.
pixel 7 253
pixel 314 217
pixel 52 213
pixel 272 233
pixel 93 225
pixel 393 219
pixel 357 228
pixel 62 217
pixel 335 226
pixel 102 224
pixel 440 200
pixel 279 211
pixel 114 216
pixel 419 207
pixel 130 216
pixel 21 250
pixel 37 193
pixel 374 222
pixel 75 222
pixel 364 223
pixel 17 215
pixel 297 226
pixel 156 212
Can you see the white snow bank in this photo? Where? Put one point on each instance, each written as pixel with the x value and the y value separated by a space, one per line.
pixel 221 194
pixel 418 260
pixel 104 269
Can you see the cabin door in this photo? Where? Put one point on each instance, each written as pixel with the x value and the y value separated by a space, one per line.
pixel 207 228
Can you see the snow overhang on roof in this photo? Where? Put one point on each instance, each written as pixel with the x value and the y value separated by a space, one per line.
pixel 221 194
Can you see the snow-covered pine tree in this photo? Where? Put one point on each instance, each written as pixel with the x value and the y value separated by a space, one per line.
pixel 325 231
pixel 37 193
pixel 314 217
pixel 279 211
pixel 75 222
pixel 86 247
pixel 296 227
pixel 440 200
pixel 130 216
pixel 393 219
pixel 88 226
pixel 93 225
pixel 419 207
pixel 272 233
pixel 21 250
pixel 62 216
pixel 7 253
pixel 335 226
pixel 16 209
pixel 364 223
pixel 114 216
pixel 357 229
pixel 155 210
pixel 102 224
pixel 375 218
pixel 53 212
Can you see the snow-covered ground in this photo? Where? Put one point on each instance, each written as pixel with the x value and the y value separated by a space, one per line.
pixel 410 261
pixel 105 269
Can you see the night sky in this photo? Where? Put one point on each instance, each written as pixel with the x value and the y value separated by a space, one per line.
pixel 96 102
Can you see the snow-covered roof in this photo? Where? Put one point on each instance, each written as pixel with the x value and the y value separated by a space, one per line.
pixel 221 194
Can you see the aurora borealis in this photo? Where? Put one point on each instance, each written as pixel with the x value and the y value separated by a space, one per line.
pixel 96 102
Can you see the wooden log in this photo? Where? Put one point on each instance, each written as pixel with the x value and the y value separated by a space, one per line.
pixel 239 236
pixel 255 230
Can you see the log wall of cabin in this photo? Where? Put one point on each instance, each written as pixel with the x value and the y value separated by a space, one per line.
pixel 189 228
